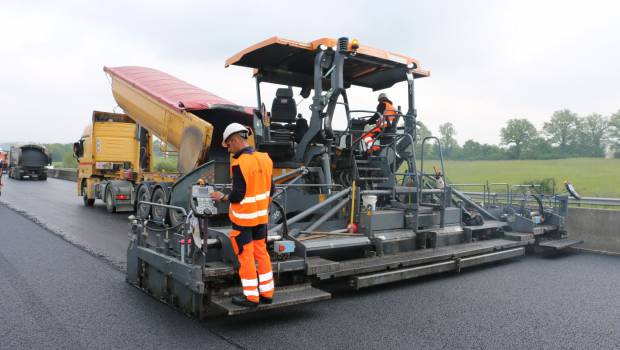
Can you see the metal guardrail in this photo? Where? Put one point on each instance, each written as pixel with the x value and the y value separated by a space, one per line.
pixel 71 175
pixel 571 201
pixel 62 173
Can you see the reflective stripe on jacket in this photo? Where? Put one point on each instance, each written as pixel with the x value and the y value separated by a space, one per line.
pixel 253 209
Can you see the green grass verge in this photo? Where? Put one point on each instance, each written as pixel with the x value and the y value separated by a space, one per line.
pixel 592 177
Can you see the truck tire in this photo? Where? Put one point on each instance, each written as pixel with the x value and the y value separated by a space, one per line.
pixel 87 201
pixel 143 195
pixel 109 201
pixel 159 213
pixel 175 218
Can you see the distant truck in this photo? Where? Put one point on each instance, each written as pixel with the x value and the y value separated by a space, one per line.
pixel 115 164
pixel 29 162
pixel 4 160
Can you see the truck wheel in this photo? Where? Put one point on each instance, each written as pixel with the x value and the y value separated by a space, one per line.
pixel 144 195
pixel 109 202
pixel 159 213
pixel 175 217
pixel 87 201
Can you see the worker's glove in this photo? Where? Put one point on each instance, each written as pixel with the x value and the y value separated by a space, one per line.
pixel 217 196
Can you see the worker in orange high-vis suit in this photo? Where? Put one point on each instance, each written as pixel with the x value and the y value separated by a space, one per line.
pixel 382 120
pixel 252 188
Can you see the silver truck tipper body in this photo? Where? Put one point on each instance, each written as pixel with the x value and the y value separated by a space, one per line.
pixel 29 162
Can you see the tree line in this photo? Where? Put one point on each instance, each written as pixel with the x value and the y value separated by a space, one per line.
pixel 565 135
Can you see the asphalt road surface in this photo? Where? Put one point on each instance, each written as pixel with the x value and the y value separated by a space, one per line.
pixel 56 295
pixel 55 204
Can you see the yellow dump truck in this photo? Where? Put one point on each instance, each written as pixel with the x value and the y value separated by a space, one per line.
pixel 115 152
pixel 115 157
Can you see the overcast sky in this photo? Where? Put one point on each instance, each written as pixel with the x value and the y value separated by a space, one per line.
pixel 489 60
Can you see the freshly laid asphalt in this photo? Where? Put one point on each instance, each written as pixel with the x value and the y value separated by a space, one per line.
pixel 56 291
pixel 55 204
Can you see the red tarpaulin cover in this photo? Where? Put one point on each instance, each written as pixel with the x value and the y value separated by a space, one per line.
pixel 173 92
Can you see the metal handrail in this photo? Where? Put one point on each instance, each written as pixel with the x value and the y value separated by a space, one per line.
pixel 584 200
pixel 382 132
pixel 484 188
pixel 181 209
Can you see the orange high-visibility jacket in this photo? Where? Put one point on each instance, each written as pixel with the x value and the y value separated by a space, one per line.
pixel 253 209
pixel 389 112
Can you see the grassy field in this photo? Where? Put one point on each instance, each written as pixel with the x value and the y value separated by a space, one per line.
pixel 592 177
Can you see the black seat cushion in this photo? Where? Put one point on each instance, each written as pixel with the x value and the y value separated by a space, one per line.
pixel 283 108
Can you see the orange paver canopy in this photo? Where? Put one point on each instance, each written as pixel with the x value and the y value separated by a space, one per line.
pixel 289 62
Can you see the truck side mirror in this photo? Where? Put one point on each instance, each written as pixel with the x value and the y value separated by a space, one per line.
pixel 76 146
pixel 78 149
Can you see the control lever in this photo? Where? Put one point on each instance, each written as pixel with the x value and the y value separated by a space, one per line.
pixel 202 206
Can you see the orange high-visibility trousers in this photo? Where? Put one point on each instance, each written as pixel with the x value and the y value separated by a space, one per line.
pixel 369 139
pixel 388 115
pixel 250 245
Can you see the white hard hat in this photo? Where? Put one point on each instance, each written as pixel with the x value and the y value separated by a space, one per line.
pixel 232 128
pixel 382 95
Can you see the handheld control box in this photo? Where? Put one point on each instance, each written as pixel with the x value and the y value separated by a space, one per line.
pixel 202 204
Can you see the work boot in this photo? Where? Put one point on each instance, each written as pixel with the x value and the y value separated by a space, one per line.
pixel 241 300
pixel 265 300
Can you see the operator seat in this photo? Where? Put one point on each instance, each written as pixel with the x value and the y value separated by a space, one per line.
pixel 283 115
pixel 283 126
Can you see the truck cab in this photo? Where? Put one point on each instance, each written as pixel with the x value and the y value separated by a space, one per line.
pixel 114 153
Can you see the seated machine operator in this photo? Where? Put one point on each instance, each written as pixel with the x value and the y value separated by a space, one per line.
pixel 383 119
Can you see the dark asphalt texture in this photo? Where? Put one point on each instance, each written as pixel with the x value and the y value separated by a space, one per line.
pixel 56 295
pixel 55 204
